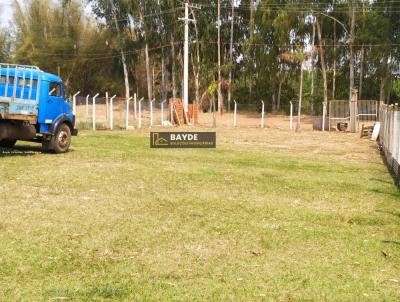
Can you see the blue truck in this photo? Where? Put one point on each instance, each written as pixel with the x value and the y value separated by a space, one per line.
pixel 33 108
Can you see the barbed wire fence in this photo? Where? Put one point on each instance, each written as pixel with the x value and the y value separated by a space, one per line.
pixel 115 113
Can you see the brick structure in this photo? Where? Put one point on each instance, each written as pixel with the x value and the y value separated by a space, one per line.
pixel 179 117
pixel 194 113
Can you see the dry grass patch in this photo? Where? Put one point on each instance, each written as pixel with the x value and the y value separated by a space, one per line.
pixel 267 216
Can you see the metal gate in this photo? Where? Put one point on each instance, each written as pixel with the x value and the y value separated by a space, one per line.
pixel 339 112
pixel 367 112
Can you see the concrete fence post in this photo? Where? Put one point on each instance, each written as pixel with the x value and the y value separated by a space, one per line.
pixel 134 105
pixel 324 114
pixel 94 111
pixel 107 107
pixel 392 130
pixel 140 113
pixel 74 102
pixel 151 112
pixel 112 112
pixel 382 121
pixel 262 114
pixel 291 116
pixel 396 135
pixel 127 113
pixel 162 112
pixel 353 111
pixel 385 127
pixel 87 105
pixel 235 114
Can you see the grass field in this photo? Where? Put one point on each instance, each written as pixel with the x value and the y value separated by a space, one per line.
pixel 267 216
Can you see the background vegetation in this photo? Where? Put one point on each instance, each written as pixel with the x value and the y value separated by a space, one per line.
pixel 340 44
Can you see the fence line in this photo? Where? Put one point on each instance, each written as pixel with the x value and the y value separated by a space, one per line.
pixel 389 137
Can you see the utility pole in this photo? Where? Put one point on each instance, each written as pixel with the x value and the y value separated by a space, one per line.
pixel 231 56
pixel 351 45
pixel 186 60
pixel 312 65
pixel 120 41
pixel 219 59
pixel 300 98
pixel 250 56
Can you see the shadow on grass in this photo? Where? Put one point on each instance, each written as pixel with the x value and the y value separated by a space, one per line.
pixel 391 242
pixel 396 178
pixel 381 180
pixel 395 194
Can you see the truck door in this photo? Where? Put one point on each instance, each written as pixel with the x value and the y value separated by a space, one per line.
pixel 54 102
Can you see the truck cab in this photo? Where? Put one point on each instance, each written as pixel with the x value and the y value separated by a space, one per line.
pixel 33 107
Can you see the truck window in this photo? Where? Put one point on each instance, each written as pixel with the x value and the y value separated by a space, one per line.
pixel 28 83
pixel 55 89
pixel 3 80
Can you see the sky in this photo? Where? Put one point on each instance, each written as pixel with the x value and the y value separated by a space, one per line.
pixel 5 11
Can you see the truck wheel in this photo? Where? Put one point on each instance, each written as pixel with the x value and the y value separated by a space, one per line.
pixel 5 143
pixel 62 139
pixel 60 142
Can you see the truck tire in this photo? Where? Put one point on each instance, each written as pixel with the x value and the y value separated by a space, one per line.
pixel 60 142
pixel 5 143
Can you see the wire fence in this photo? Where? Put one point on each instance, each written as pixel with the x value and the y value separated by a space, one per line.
pixel 101 113
pixel 389 137
pixel 110 112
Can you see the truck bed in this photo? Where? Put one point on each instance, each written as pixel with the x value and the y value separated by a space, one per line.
pixel 18 92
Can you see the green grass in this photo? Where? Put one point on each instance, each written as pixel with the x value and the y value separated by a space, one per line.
pixel 249 221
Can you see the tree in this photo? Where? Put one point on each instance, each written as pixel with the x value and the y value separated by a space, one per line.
pixel 5 44
pixel 358 45
pixel 322 60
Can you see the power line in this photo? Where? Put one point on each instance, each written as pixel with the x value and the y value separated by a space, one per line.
pixel 288 46
pixel 100 57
